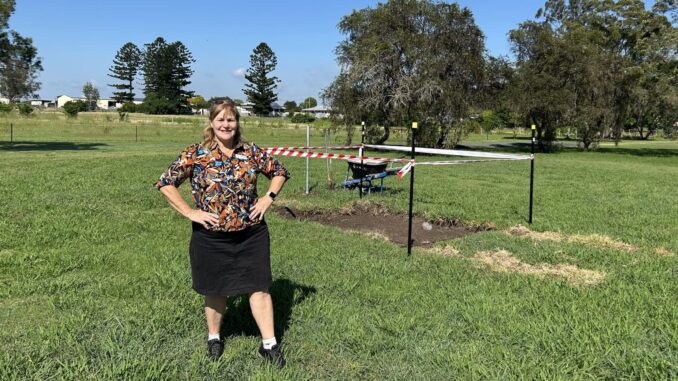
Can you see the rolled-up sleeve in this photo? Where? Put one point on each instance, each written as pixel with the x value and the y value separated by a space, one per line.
pixel 268 165
pixel 179 170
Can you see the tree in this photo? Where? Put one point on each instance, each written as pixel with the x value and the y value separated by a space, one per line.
pixel 19 61
pixel 598 66
pixel 198 102
pixel 409 60
pixel 308 103
pixel 167 72
pixel 126 65
pixel 91 93
pixel 260 89
pixel 6 10
pixel 290 106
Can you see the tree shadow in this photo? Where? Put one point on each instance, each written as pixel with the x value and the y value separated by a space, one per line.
pixel 49 146
pixel 238 320
pixel 643 152
pixel 568 147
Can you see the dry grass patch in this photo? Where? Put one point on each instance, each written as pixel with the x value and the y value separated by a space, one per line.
pixel 365 207
pixel 663 252
pixel 504 261
pixel 594 240
pixel 446 251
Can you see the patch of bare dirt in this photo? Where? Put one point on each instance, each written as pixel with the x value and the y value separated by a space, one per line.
pixel 504 261
pixel 594 240
pixel 376 220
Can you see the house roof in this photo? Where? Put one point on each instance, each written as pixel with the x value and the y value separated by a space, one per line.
pixel 318 108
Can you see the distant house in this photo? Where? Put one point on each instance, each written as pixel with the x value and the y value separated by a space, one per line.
pixel 61 100
pixel 103 103
pixel 247 109
pixel 318 111
pixel 277 109
pixel 43 103
pixel 4 100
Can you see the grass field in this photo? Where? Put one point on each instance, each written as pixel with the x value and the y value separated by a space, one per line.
pixel 95 282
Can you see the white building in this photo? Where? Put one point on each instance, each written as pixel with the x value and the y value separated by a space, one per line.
pixel 318 111
pixel 43 103
pixel 247 109
pixel 103 104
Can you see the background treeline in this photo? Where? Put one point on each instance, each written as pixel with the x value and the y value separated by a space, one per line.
pixel 593 68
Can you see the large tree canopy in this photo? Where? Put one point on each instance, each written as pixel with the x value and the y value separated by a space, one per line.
pixel 598 67
pixel 408 60
pixel 19 61
pixel 261 86
pixel 167 72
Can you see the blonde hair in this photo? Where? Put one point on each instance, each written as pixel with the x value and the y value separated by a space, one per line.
pixel 229 106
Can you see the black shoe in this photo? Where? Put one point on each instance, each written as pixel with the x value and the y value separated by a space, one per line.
pixel 274 355
pixel 215 348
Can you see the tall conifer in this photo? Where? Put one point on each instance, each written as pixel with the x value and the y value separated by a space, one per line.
pixel 261 88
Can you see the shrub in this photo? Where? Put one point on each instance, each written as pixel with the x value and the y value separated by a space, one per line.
pixel 72 108
pixel 128 107
pixel 671 131
pixel 6 108
pixel 25 108
pixel 156 105
pixel 302 118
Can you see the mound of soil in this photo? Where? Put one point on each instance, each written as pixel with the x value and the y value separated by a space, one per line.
pixel 376 220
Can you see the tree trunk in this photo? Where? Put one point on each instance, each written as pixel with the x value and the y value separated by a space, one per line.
pixel 384 137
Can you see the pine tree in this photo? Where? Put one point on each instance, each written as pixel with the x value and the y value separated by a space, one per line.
pixel 167 72
pixel 260 89
pixel 125 68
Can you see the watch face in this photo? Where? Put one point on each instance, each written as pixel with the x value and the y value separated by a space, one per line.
pixel 272 195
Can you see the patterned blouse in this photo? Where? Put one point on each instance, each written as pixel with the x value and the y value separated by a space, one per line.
pixel 223 185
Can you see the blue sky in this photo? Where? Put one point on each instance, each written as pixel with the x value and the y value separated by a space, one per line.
pixel 78 39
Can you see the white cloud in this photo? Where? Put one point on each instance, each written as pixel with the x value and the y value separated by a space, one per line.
pixel 239 72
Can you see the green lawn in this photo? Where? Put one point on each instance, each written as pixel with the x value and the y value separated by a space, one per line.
pixel 95 282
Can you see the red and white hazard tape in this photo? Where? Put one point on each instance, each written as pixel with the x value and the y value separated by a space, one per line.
pixel 321 155
pixel 295 152
pixel 404 170
pixel 308 148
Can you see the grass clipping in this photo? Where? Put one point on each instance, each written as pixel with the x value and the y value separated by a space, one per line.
pixel 504 261
pixel 594 240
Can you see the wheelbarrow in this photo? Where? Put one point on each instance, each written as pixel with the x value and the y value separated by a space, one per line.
pixel 365 171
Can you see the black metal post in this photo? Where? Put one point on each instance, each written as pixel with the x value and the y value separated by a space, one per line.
pixel 362 141
pixel 136 133
pixel 409 221
pixel 534 128
pixel 11 134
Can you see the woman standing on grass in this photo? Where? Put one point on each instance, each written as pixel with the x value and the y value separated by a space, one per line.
pixel 229 249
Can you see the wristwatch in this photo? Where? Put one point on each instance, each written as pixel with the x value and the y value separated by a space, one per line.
pixel 272 195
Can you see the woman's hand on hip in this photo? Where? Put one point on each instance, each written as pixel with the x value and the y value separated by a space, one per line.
pixel 258 210
pixel 205 219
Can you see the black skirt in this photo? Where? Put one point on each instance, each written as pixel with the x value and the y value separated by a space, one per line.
pixel 230 263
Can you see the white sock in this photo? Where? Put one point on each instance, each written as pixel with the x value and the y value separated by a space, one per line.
pixel 269 343
pixel 213 336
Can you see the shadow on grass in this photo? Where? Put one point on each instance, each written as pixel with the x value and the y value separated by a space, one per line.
pixel 286 295
pixel 49 146
pixel 568 147
pixel 644 152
